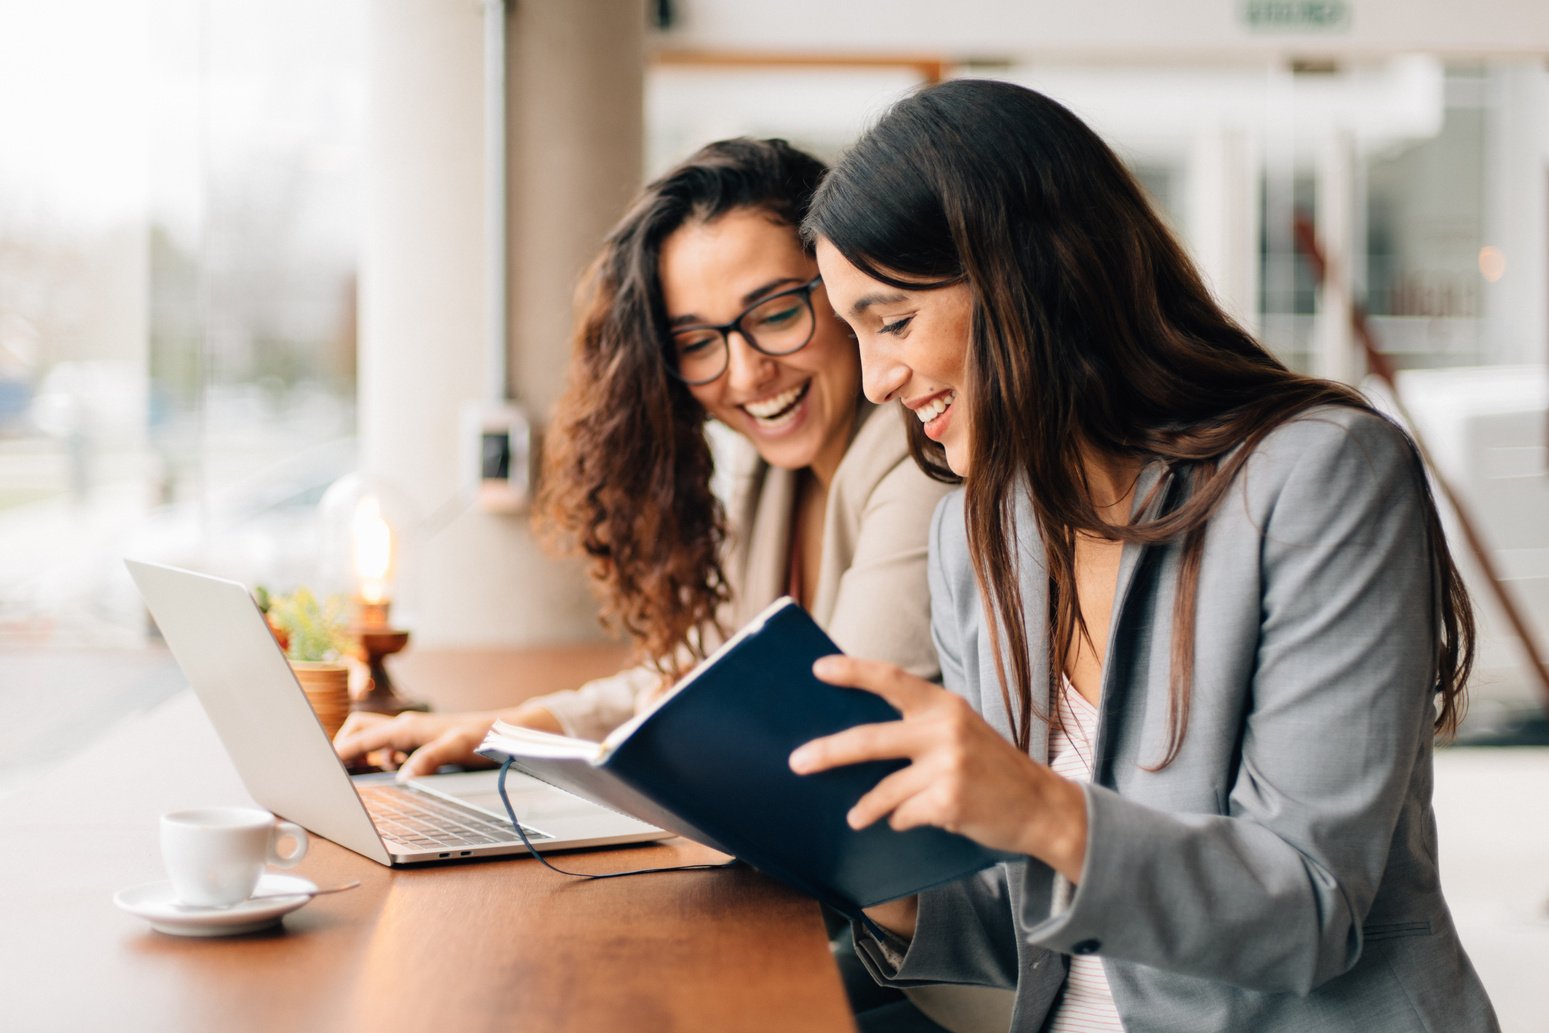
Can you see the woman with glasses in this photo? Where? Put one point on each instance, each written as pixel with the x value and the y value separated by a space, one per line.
pixel 705 305
pixel 1195 611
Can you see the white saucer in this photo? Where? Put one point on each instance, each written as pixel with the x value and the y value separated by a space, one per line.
pixel 156 903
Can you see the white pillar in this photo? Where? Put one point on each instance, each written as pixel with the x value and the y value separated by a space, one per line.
pixel 576 101
pixel 1516 305
pixel 1223 219
pixel 1334 349
pixel 478 578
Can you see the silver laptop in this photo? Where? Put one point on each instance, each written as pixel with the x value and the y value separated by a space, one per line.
pixel 288 765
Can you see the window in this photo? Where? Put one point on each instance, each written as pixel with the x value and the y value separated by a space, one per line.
pixel 178 246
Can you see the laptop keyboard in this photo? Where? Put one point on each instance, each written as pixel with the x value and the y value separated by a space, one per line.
pixel 419 820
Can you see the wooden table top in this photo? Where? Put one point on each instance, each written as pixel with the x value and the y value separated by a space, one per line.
pixel 495 945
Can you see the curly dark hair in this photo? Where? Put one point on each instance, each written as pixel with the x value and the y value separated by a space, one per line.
pixel 626 471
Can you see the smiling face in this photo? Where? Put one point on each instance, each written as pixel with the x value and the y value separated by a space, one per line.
pixel 797 409
pixel 913 347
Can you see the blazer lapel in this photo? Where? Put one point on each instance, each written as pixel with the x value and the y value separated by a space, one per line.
pixel 767 572
pixel 1132 563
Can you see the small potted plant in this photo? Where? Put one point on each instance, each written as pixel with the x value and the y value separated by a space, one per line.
pixel 315 634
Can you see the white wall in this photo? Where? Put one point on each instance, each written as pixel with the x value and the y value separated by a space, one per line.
pixel 1179 30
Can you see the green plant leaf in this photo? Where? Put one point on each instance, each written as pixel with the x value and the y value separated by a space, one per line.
pixel 318 629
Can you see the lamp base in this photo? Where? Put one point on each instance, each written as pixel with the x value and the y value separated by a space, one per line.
pixel 381 697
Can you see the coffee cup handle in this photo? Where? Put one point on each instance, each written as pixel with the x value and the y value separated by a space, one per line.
pixel 298 834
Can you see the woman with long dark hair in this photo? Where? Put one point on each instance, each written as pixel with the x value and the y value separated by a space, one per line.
pixel 1195 612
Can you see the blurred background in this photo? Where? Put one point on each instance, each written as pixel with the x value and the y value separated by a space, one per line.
pixel 248 251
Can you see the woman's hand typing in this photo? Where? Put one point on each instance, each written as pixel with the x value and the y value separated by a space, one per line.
pixel 417 744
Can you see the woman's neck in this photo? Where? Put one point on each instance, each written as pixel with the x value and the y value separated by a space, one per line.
pixel 1112 480
pixel 807 535
pixel 826 463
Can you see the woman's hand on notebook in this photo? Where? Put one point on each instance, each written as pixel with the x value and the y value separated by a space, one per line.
pixel 962 776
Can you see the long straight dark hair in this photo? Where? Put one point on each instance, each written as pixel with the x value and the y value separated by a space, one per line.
pixel 1092 333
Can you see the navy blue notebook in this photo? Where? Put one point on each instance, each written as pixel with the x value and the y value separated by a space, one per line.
pixel 711 762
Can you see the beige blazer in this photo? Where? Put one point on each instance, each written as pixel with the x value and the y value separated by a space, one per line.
pixel 871 596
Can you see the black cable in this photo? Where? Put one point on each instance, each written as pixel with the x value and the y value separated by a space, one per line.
pixel 500 786
pixel 853 913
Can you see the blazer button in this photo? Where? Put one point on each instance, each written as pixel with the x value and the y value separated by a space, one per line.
pixel 1087 947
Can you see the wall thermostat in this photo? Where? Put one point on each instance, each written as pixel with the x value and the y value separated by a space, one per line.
pixel 498 461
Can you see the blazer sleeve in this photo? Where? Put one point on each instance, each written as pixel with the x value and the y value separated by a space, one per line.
pixel 594 709
pixel 882 606
pixel 1270 895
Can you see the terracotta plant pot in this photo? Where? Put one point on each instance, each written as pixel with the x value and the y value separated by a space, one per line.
pixel 327 686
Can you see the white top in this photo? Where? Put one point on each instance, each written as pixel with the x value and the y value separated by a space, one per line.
pixel 1087 1005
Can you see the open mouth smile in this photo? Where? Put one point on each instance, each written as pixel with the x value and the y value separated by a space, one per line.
pixel 778 410
pixel 936 413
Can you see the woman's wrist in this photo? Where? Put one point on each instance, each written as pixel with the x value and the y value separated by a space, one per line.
pixel 532 715
pixel 897 916
pixel 1057 833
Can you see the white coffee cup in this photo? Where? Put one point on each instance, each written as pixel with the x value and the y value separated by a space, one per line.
pixel 215 855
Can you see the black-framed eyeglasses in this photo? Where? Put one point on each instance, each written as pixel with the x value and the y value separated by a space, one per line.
pixel 777 325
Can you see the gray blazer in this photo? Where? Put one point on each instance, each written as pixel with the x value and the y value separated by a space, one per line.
pixel 1280 874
